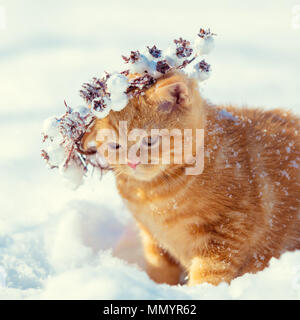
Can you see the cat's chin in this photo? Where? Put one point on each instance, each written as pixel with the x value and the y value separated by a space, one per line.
pixel 144 174
pixel 145 178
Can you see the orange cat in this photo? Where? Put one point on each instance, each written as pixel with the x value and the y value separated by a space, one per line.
pixel 244 207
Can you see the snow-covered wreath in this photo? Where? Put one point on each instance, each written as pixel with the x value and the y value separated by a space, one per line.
pixel 62 135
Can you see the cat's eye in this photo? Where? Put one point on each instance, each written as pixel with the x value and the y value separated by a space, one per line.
pixel 150 141
pixel 114 145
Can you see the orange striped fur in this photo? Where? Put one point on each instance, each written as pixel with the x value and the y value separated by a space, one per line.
pixel 234 217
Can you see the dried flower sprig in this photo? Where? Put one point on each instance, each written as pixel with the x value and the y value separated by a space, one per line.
pixel 134 56
pixel 95 92
pixel 183 49
pixel 63 135
pixel 163 66
pixel 156 53
pixel 98 96
pixel 203 66
pixel 205 33
pixel 140 83
pixel 67 131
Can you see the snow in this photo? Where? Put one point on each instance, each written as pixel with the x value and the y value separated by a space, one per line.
pixel 285 174
pixel 50 126
pixel 204 45
pixel 59 138
pixel 102 113
pixel 117 85
pixel 145 63
pixel 73 175
pixel 62 263
pixel 224 114
pixel 294 164
pixel 57 243
pixel 69 256
pixel 193 71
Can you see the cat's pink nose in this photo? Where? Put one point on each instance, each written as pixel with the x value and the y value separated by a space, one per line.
pixel 133 164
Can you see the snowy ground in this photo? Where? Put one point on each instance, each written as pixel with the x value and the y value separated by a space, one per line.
pixel 58 243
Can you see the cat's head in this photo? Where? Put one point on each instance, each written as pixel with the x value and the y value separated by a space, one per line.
pixel 131 139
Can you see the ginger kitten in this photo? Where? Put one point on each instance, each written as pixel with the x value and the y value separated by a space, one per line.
pixel 241 211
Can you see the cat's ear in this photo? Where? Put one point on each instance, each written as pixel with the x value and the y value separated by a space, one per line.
pixel 172 96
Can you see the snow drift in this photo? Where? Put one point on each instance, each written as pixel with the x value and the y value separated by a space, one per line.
pixel 72 255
